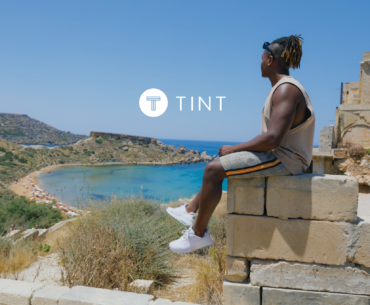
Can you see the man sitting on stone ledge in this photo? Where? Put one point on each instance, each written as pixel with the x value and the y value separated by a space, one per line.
pixel 284 146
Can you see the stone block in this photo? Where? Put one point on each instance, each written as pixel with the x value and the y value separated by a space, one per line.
pixel 246 196
pixel 309 196
pixel 241 294
pixel 80 295
pixel 30 234
pixel 362 255
pixel 312 277
pixel 273 296
pixel 298 240
pixel 237 269
pixel 13 234
pixel 17 292
pixel 49 295
pixel 142 286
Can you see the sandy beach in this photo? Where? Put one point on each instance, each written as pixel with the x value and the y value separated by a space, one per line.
pixel 26 190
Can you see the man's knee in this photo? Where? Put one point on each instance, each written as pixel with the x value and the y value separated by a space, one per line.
pixel 214 170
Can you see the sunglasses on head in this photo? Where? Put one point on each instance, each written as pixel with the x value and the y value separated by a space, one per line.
pixel 266 47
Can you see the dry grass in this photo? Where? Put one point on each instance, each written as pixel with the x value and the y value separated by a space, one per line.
pixel 203 272
pixel 120 241
pixel 14 258
pixel 357 152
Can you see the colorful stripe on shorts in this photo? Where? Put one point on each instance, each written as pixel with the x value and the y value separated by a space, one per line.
pixel 254 168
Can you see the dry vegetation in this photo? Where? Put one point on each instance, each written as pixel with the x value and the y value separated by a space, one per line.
pixel 15 257
pixel 127 239
pixel 203 272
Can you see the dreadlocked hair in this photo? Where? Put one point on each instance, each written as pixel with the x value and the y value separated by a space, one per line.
pixel 290 48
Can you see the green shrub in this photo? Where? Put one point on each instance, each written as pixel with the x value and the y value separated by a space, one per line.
pixel 24 214
pixel 99 141
pixel 29 151
pixel 121 240
pixel 22 160
pixel 2 149
pixel 44 248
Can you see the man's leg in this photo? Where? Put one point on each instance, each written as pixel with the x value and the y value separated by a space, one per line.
pixel 197 236
pixel 193 206
pixel 209 195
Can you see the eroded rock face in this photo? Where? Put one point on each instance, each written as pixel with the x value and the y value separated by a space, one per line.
pixel 360 169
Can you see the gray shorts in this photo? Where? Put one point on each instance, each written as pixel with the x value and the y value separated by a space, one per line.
pixel 246 164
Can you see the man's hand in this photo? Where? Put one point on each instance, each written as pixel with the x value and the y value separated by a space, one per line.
pixel 225 150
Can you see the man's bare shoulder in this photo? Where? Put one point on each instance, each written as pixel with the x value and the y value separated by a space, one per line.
pixel 287 93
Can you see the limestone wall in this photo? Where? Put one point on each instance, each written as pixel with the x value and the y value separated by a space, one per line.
pixel 296 240
pixel 326 139
pixel 352 122
pixel 365 79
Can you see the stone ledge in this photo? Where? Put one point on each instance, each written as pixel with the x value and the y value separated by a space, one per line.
pixel 17 292
pixel 273 296
pixel 80 295
pixel 318 197
pixel 49 295
pixel 311 277
pixel 24 293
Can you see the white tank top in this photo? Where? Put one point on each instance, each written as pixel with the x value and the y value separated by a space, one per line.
pixel 295 150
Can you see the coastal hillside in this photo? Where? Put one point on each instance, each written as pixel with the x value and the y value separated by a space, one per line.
pixel 17 161
pixel 21 129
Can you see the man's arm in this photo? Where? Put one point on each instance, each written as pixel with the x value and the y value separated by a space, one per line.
pixel 285 101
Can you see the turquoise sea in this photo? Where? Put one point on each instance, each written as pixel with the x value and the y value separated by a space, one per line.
pixel 73 185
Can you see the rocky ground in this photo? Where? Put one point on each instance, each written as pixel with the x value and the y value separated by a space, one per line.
pixel 358 169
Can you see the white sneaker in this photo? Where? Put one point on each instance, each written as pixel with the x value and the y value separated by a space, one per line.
pixel 189 242
pixel 181 215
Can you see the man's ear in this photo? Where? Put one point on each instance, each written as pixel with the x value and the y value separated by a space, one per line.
pixel 270 60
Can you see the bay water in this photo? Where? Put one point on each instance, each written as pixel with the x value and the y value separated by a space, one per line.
pixel 75 185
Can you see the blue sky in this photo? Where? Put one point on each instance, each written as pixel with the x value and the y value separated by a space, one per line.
pixel 82 65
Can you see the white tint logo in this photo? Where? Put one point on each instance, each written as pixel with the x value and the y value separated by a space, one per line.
pixel 153 102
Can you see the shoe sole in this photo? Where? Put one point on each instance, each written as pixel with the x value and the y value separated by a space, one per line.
pixel 190 251
pixel 179 220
